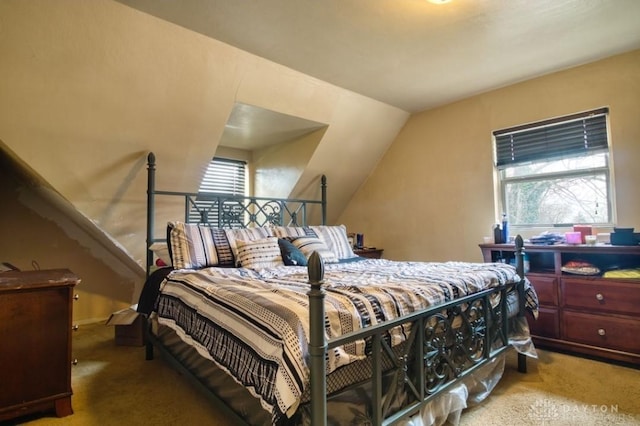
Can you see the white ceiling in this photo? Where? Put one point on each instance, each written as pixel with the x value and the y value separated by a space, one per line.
pixel 411 53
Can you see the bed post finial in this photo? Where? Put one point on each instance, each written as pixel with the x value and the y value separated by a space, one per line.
pixel 151 184
pixel 317 341
pixel 323 186
pixel 519 243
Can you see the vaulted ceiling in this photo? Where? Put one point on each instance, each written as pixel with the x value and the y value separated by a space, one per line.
pixel 414 54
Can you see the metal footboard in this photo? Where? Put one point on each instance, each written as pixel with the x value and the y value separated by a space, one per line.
pixel 445 344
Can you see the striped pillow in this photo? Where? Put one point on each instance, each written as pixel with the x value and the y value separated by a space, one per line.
pixel 195 246
pixel 335 237
pixel 293 231
pixel 245 234
pixel 258 254
pixel 307 245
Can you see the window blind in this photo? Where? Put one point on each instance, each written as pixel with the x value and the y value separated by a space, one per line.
pixel 578 134
pixel 223 176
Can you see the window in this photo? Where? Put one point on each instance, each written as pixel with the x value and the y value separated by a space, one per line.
pixel 222 177
pixel 556 172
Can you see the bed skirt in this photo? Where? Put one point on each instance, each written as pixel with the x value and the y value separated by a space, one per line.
pixel 349 406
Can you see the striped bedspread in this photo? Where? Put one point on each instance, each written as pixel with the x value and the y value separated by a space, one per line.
pixel 254 323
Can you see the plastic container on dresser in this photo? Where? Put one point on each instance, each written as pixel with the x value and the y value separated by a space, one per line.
pixel 586 314
pixel 35 325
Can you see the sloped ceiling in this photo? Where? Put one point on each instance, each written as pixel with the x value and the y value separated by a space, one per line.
pixel 411 53
pixel 251 128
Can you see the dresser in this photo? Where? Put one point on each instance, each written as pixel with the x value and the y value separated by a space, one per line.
pixel 589 315
pixel 35 330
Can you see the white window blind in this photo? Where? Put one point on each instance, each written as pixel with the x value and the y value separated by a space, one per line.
pixel 222 177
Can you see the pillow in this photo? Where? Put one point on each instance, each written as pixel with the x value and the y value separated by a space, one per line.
pixel 291 255
pixel 194 246
pixel 161 251
pixel 258 254
pixel 307 245
pixel 245 234
pixel 293 231
pixel 335 237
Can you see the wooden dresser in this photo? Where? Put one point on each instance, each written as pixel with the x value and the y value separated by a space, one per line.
pixel 591 315
pixel 35 330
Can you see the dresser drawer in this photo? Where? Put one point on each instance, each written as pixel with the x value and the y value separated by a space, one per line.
pixel 547 324
pixel 546 287
pixel 599 330
pixel 601 295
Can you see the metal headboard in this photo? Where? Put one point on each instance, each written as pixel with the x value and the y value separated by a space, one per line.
pixel 229 211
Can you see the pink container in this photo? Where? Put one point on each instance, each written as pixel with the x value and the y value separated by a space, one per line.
pixel 573 237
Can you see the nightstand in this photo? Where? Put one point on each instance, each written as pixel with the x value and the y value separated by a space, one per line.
pixel 371 253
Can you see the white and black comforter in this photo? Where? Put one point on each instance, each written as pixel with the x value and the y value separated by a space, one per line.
pixel 254 323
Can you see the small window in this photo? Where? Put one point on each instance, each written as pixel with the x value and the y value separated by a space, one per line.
pixel 556 172
pixel 222 177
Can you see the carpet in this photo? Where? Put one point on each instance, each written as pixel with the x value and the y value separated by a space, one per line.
pixel 114 385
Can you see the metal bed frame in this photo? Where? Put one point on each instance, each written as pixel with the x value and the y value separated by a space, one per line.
pixel 229 211
pixel 437 354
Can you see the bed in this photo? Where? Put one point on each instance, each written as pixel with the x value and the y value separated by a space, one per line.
pixel 281 323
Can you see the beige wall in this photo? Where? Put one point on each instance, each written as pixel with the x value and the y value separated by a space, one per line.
pixel 88 88
pixel 39 232
pixel 431 197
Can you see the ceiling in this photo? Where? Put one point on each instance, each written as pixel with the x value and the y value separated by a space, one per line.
pixel 250 127
pixel 411 53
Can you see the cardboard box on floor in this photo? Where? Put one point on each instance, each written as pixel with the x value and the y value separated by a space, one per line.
pixel 129 326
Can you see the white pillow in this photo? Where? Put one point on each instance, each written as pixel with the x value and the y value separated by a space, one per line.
pixel 245 234
pixel 293 231
pixel 196 246
pixel 258 254
pixel 307 245
pixel 335 237
pixel 161 250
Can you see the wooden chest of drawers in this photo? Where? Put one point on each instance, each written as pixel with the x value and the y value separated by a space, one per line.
pixel 35 329
pixel 591 315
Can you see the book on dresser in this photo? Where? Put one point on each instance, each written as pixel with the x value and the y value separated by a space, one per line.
pixel 589 297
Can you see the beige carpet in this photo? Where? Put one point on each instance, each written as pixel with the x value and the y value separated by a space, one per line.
pixel 114 385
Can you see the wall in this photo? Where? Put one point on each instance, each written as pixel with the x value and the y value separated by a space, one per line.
pixel 432 195
pixel 39 231
pixel 89 88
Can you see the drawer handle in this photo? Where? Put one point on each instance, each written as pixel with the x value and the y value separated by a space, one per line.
pixel 601 332
pixel 76 296
pixel 75 361
pixel 75 327
pixel 599 297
